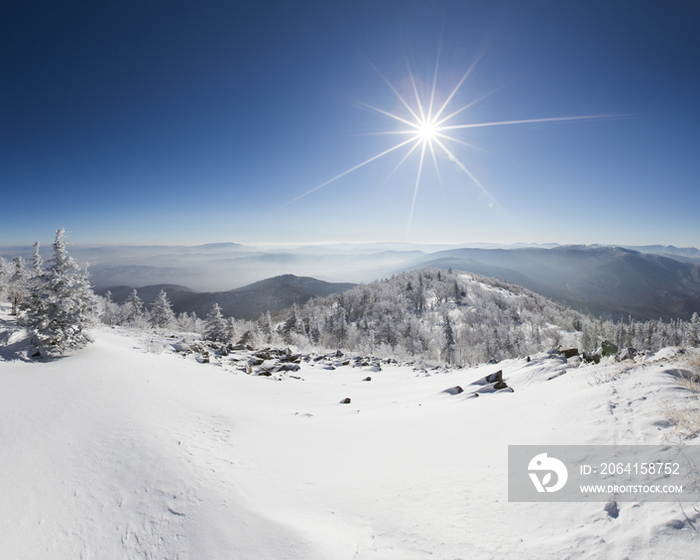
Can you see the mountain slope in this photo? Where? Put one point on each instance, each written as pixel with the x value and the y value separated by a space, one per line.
pixel 605 281
pixel 248 302
pixel 116 453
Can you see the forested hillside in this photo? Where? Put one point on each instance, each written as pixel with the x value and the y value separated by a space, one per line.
pixel 462 318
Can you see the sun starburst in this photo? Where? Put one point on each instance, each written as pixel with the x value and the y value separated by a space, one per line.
pixel 430 132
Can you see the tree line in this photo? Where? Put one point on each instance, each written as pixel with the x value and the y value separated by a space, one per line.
pixel 430 314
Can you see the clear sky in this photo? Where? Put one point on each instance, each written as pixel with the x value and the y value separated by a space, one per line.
pixel 184 122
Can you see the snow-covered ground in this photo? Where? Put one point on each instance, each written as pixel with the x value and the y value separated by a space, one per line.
pixel 117 452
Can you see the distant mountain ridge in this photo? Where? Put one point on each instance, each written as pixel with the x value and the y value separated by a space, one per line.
pixel 604 281
pixel 647 282
pixel 248 302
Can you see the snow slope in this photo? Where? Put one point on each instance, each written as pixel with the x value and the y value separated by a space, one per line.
pixel 117 452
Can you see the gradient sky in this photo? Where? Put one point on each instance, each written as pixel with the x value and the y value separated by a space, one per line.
pixel 181 122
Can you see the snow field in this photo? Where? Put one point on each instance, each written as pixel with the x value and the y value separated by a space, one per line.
pixel 113 452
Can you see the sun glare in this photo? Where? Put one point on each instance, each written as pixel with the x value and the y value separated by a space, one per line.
pixel 429 129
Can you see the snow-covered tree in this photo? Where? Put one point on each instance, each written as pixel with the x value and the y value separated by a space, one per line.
pixel 189 322
pixel 62 305
pixel 132 310
pixel 162 315
pixel 449 347
pixel 265 327
pixel 4 278
pixel 37 261
pixel 216 327
pixel 19 284
pixel 110 310
pixel 692 334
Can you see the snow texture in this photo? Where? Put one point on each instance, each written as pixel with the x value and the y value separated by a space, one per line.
pixel 117 452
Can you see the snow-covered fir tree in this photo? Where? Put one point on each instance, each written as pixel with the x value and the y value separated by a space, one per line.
pixel 110 310
pixel 4 278
pixel 62 305
pixel 37 261
pixel 132 312
pixel 162 315
pixel 216 328
pixel 19 284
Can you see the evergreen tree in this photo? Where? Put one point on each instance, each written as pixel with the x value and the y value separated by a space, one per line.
pixel 4 278
pixel 132 310
pixel 37 261
pixel 449 347
pixel 162 315
pixel 19 284
pixel 110 310
pixel 231 330
pixel 265 327
pixel 693 330
pixel 290 325
pixel 216 327
pixel 62 305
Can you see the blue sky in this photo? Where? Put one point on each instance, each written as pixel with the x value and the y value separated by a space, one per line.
pixel 194 122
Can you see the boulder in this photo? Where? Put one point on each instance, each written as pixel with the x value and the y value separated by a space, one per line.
pixel 181 346
pixel 346 400
pixel 294 358
pixel 607 348
pixel 612 509
pixel 570 352
pixel 492 383
pixel 591 358
pixel 456 390
pixel 494 377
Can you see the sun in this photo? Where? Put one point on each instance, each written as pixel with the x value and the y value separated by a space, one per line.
pixel 431 129
pixel 427 131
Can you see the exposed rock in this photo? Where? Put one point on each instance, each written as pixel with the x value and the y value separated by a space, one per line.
pixel 607 348
pixel 627 354
pixel 181 346
pixel 492 383
pixel 456 390
pixel 295 358
pixel 346 400
pixel 612 509
pixel 494 377
pixel 591 358
pixel 570 352
pixel 367 379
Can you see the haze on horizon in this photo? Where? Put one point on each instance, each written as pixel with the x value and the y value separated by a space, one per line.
pixel 166 123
